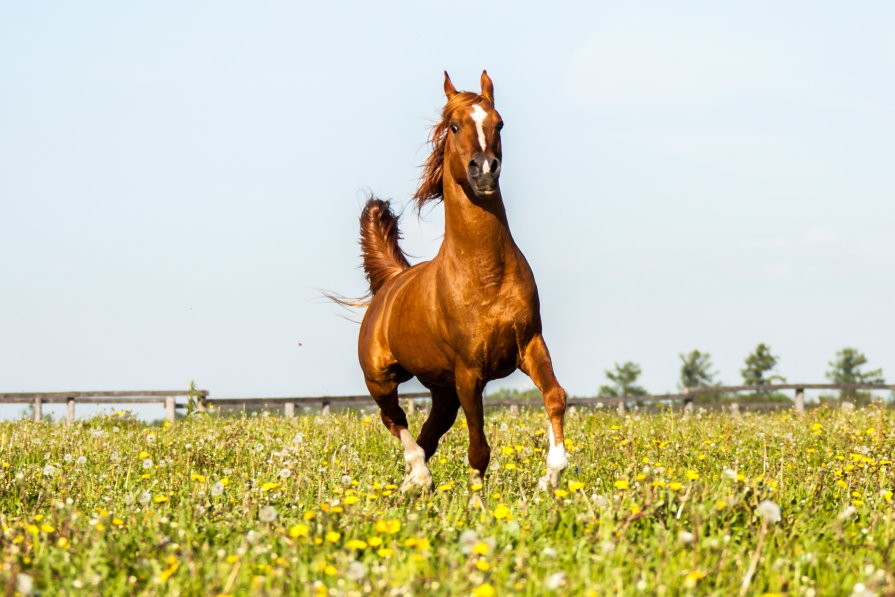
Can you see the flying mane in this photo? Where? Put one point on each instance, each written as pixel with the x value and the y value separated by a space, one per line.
pixel 430 188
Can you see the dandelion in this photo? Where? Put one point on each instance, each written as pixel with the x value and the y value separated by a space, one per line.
pixel 356 544
pixel 68 458
pixel 333 536
pixel 481 548
pixel 197 477
pixel 49 471
pixel 356 571
pixel 675 486
pixel 160 499
pixel 848 513
pixel 391 527
pixel 484 590
pixel 555 581
pixel 285 473
pixel 692 475
pixel 384 552
pixel 502 511
pixel 575 486
pixel 769 511
pixel 483 565
pixel 82 460
pixel 145 497
pixel 24 584
pixel 686 537
pixel 267 514
pixel 269 486
pixel 217 489
pixel 147 463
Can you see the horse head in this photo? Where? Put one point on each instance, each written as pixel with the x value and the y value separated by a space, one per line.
pixel 472 151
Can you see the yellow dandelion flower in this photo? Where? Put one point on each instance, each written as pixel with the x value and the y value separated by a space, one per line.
pixel 160 499
pixel 144 454
pixel 575 486
pixel 622 484
pixel 675 486
pixel 333 536
pixel 299 530
pixel 501 512
pixel 445 487
pixel 384 552
pixel 692 475
pixel 561 493
pixel 231 559
pixel 720 505
pixel 375 541
pixel 197 477
pixel 117 522
pixel 356 544
pixel 483 565
pixel 484 590
pixel 46 528
pixel 475 487
pixel 269 486
pixel 330 570
pixel 350 500
pixel 310 515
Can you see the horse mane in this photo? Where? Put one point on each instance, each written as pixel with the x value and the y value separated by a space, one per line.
pixel 431 187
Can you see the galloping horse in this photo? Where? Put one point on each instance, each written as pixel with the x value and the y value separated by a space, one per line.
pixel 468 316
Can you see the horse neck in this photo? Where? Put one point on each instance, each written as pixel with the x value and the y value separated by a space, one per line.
pixel 477 236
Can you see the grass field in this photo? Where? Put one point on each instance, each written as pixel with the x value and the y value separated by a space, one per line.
pixel 651 504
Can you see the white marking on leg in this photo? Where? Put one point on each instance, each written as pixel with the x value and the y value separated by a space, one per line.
pixel 556 461
pixel 479 116
pixel 415 457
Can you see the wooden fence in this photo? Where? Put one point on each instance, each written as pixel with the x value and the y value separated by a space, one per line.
pixel 168 398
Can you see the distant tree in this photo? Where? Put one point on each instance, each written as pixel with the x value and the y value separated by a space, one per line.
pixel 624 380
pixel 696 370
pixel 759 365
pixel 846 369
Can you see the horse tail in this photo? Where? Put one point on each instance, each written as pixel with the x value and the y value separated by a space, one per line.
pixel 379 236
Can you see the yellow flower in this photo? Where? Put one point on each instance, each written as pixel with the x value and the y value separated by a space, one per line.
pixel 269 486
pixel 160 499
pixel 887 495
pixel 232 559
pixel 299 530
pixel 375 541
pixel 622 484
pixel 502 511
pixel 483 565
pixel 385 552
pixel 445 487
pixel 356 544
pixel 481 548
pixel 198 477
pixel 333 536
pixel 561 493
pixel 330 570
pixel 388 526
pixel 575 486
pixel 692 475
pixel 46 528
pixel 675 486
pixel 475 486
pixel 349 500
pixel 310 515
pixel 720 505
pixel 484 590
pixel 144 454
pixel 117 522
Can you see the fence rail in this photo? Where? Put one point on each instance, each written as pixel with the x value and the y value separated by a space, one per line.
pixel 168 398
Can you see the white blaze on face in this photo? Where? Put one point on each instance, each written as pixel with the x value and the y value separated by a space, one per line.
pixel 479 116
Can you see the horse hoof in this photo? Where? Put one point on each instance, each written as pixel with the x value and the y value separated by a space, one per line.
pixel 416 482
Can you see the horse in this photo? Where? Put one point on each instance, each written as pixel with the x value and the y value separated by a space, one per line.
pixel 468 316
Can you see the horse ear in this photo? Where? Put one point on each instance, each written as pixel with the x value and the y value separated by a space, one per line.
pixel 449 89
pixel 487 87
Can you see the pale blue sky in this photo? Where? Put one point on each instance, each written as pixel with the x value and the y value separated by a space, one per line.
pixel 177 181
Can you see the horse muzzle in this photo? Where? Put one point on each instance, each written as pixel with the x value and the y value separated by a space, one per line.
pixel 483 173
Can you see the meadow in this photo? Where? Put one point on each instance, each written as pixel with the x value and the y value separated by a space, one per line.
pixel 652 504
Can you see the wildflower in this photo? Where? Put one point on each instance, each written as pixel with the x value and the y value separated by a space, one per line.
pixel 299 530
pixel 356 544
pixel 481 548
pixel 355 572
pixel 349 500
pixel 622 484
pixel 24 584
pixel 686 537
pixel 285 473
pixel 769 511
pixel 483 565
pixel 48 471
pixel 160 499
pixel 561 493
pixel 502 511
pixel 197 477
pixel 333 536
pixel 692 475
pixel 145 497
pixel 267 514
pixel 269 486
pixel 388 526
pixel 375 541
pixel 484 590
pixel 848 513
pixel 147 463
pixel 217 489
pixel 555 581
pixel 675 486
pixel 575 486
pixel 82 460
pixel 384 552
pixel 720 505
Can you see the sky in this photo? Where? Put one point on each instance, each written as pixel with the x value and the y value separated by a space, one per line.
pixel 180 181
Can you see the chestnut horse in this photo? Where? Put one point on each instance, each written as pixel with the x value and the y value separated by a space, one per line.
pixel 466 317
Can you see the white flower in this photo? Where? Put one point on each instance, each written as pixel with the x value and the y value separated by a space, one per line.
pixel 848 513
pixel 145 497
pixel 150 438
pixel 769 511
pixel 356 571
pixel 285 473
pixel 686 537
pixel 299 438
pixel 345 480
pixel 217 489
pixel 548 552
pixel 49 471
pixel 555 581
pixel 82 460
pixel 147 464
pixel 24 584
pixel 267 514
pixel 730 474
pixel 68 458
pixel 259 447
pixel 861 590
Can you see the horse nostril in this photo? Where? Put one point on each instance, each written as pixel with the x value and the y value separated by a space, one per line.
pixel 495 165
pixel 474 166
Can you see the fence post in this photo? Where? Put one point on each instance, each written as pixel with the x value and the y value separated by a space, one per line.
pixel 688 405
pixel 38 410
pixel 735 409
pixel 70 409
pixel 800 400
pixel 169 409
pixel 621 407
pixel 289 410
pixel 202 404
pixel 325 410
pixel 411 406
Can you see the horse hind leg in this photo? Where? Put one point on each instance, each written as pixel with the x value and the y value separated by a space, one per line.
pixel 442 415
pixel 417 474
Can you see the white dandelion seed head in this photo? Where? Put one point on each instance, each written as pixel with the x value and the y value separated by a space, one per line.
pixel 267 514
pixel 285 473
pixel 768 511
pixel 686 537
pixel 145 497
pixel 82 460
pixel 346 480
pixel 217 489
pixel 299 438
pixel 49 470
pixel 848 513
pixel 555 581
pixel 68 458
pixel 548 552
pixel 24 584
pixel 356 571
pixel 150 438
pixel 730 474
pixel 147 463
pixel 259 447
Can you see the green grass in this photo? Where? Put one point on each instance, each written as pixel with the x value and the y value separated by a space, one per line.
pixel 651 504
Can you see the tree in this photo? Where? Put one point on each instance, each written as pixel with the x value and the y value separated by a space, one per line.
pixel 758 365
pixel 623 379
pixel 846 369
pixel 696 370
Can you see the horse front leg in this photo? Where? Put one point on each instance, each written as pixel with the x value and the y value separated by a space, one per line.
pixel 537 365
pixel 469 390
pixel 417 474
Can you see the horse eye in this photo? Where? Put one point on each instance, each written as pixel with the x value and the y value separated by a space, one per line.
pixel 454 127
pixel 500 125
